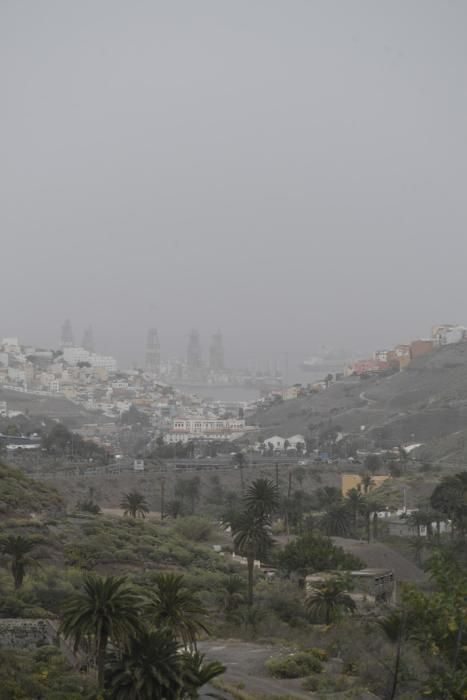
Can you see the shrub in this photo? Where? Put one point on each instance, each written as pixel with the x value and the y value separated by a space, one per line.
pixel 311 683
pixel 320 654
pixel 295 665
pixel 194 528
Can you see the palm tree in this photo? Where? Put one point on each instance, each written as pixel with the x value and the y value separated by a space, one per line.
pixel 106 609
pixel 252 538
pixel 18 548
pixel 336 521
pixel 197 672
pixel 239 461
pixel 252 617
pixel 299 472
pixel 328 599
pixel 150 668
pixel 450 498
pixel 177 609
pixel 328 496
pixel 394 626
pixel 369 509
pixel 232 593
pixel 419 519
pixel 134 504
pixel 367 483
pixel 262 498
pixel 353 501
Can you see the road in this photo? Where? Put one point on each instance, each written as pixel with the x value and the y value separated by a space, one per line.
pixel 245 664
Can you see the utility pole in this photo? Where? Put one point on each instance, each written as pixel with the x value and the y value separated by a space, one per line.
pixel 162 497
pixel 277 474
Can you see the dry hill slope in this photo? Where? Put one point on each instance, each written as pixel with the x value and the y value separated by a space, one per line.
pixel 424 403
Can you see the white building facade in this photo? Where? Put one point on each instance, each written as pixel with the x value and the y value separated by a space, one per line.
pixel 186 429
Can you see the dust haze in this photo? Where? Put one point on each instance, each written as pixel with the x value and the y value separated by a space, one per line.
pixel 291 173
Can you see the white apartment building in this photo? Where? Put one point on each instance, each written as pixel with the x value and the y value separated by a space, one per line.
pixel 186 429
pixel 104 362
pixel 72 355
pixel 54 386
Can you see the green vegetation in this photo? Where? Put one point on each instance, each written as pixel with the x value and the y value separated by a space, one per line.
pixel 137 597
pixel 313 552
pixel 43 674
pixel 134 504
pixel 61 442
pixel 297 665
pixel 17 549
pixel 327 600
pixel 21 495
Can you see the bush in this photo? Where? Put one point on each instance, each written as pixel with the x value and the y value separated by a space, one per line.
pixel 320 654
pixel 313 552
pixel 311 683
pixel 194 528
pixel 295 665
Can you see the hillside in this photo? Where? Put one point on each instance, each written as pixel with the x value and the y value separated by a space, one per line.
pixel 20 495
pixel 424 403
pixel 48 407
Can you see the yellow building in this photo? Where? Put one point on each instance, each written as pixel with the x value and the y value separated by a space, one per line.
pixel 354 481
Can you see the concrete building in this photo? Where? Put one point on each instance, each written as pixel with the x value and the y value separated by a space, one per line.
pixel 420 347
pixel 216 352
pixel 354 481
pixel 153 352
pixel 187 429
pixel 193 354
pixel 370 366
pixel 295 440
pixel 88 339
pixel 73 355
pixel 402 354
pixel 66 337
pixel 277 442
pixel 369 586
pixel 448 334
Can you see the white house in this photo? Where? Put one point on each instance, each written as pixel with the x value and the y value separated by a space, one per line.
pixel 296 440
pixel 276 441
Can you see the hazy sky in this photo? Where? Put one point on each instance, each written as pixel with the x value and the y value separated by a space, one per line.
pixel 291 171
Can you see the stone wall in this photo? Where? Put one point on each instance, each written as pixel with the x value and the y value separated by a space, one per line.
pixel 26 634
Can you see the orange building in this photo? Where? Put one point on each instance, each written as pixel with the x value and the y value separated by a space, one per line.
pixel 354 481
pixel 421 347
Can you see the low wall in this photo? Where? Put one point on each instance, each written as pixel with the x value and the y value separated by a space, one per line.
pixel 17 633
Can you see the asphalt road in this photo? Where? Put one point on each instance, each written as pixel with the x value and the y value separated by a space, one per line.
pixel 245 661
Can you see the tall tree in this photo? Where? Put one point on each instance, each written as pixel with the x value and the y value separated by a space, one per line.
pixel 366 483
pixel 18 548
pixel 336 521
pixel 353 501
pixel 450 499
pixel 232 593
pixel 252 539
pixel 198 672
pixel 239 461
pixel 150 668
pixel 328 599
pixel 262 498
pixel 105 609
pixel 175 607
pixel 134 504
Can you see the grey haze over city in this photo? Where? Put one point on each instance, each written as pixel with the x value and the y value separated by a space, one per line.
pixel 293 173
